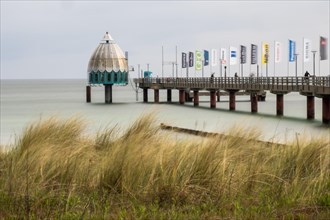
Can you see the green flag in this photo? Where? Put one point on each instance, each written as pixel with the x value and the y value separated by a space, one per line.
pixel 198 62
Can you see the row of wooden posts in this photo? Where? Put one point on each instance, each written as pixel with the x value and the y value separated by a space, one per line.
pixel 254 98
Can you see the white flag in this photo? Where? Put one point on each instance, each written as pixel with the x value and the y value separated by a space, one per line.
pixel 307 49
pixel 223 55
pixel 233 56
pixel 278 52
pixel 214 57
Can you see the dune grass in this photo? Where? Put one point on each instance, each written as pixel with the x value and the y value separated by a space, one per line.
pixel 55 170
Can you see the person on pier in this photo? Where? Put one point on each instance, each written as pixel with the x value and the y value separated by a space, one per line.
pixel 212 77
pixel 307 75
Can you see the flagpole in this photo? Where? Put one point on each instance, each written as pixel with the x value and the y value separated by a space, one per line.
pixel 203 68
pixel 250 58
pixel 176 60
pixel 239 65
pixel 320 64
pixel 261 59
pixel 210 63
pixel 274 56
pixel 303 58
pixel 242 71
pixel 288 57
pixel 163 61
pixel 267 59
pixel 229 70
pixel 229 62
pixel 220 64
pixel 320 55
pixel 139 71
pixel 210 70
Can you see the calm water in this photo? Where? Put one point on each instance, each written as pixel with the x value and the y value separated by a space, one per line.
pixel 25 101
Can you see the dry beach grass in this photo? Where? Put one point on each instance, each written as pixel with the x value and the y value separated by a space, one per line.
pixel 56 170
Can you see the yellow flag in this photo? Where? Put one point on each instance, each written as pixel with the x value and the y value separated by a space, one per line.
pixel 265 53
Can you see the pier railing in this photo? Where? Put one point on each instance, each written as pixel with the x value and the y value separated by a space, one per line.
pixel 315 85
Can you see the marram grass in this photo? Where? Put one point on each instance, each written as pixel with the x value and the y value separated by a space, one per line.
pixel 55 170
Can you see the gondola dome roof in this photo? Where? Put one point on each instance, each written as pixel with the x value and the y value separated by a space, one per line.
pixel 107 57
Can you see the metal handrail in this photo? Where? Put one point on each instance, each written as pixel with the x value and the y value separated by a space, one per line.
pixel 241 83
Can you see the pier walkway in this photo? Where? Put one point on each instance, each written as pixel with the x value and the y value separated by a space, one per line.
pixel 311 87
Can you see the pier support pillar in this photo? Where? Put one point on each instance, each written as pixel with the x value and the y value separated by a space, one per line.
pixel 88 94
pixel 196 98
pixel 156 95
pixel 218 96
pixel 169 95
pixel 310 107
pixel 212 99
pixel 232 100
pixel 181 96
pixel 326 109
pixel 279 104
pixel 254 103
pixel 145 95
pixel 108 93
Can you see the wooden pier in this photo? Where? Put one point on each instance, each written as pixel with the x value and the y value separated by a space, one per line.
pixel 311 87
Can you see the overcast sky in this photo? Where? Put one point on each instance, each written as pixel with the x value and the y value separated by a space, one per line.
pixel 55 39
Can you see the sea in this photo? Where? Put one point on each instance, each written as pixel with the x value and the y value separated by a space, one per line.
pixel 24 102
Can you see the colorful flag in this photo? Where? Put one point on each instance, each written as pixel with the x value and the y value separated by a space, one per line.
pixel 307 49
pixel 191 59
pixel 265 53
pixel 323 48
pixel 214 57
pixel 278 52
pixel 198 60
pixel 233 56
pixel 254 54
pixel 292 50
pixel 223 56
pixel 184 60
pixel 206 58
pixel 243 54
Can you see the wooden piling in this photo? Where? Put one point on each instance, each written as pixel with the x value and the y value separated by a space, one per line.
pixel 108 93
pixel 212 99
pixel 279 104
pixel 310 107
pixel 181 96
pixel 156 95
pixel 326 109
pixel 196 98
pixel 88 93
pixel 232 100
pixel 145 95
pixel 254 103
pixel 169 95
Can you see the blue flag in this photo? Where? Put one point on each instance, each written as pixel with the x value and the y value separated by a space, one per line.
pixel 206 58
pixel 292 50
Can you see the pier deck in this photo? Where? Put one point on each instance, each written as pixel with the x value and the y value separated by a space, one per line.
pixel 310 87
